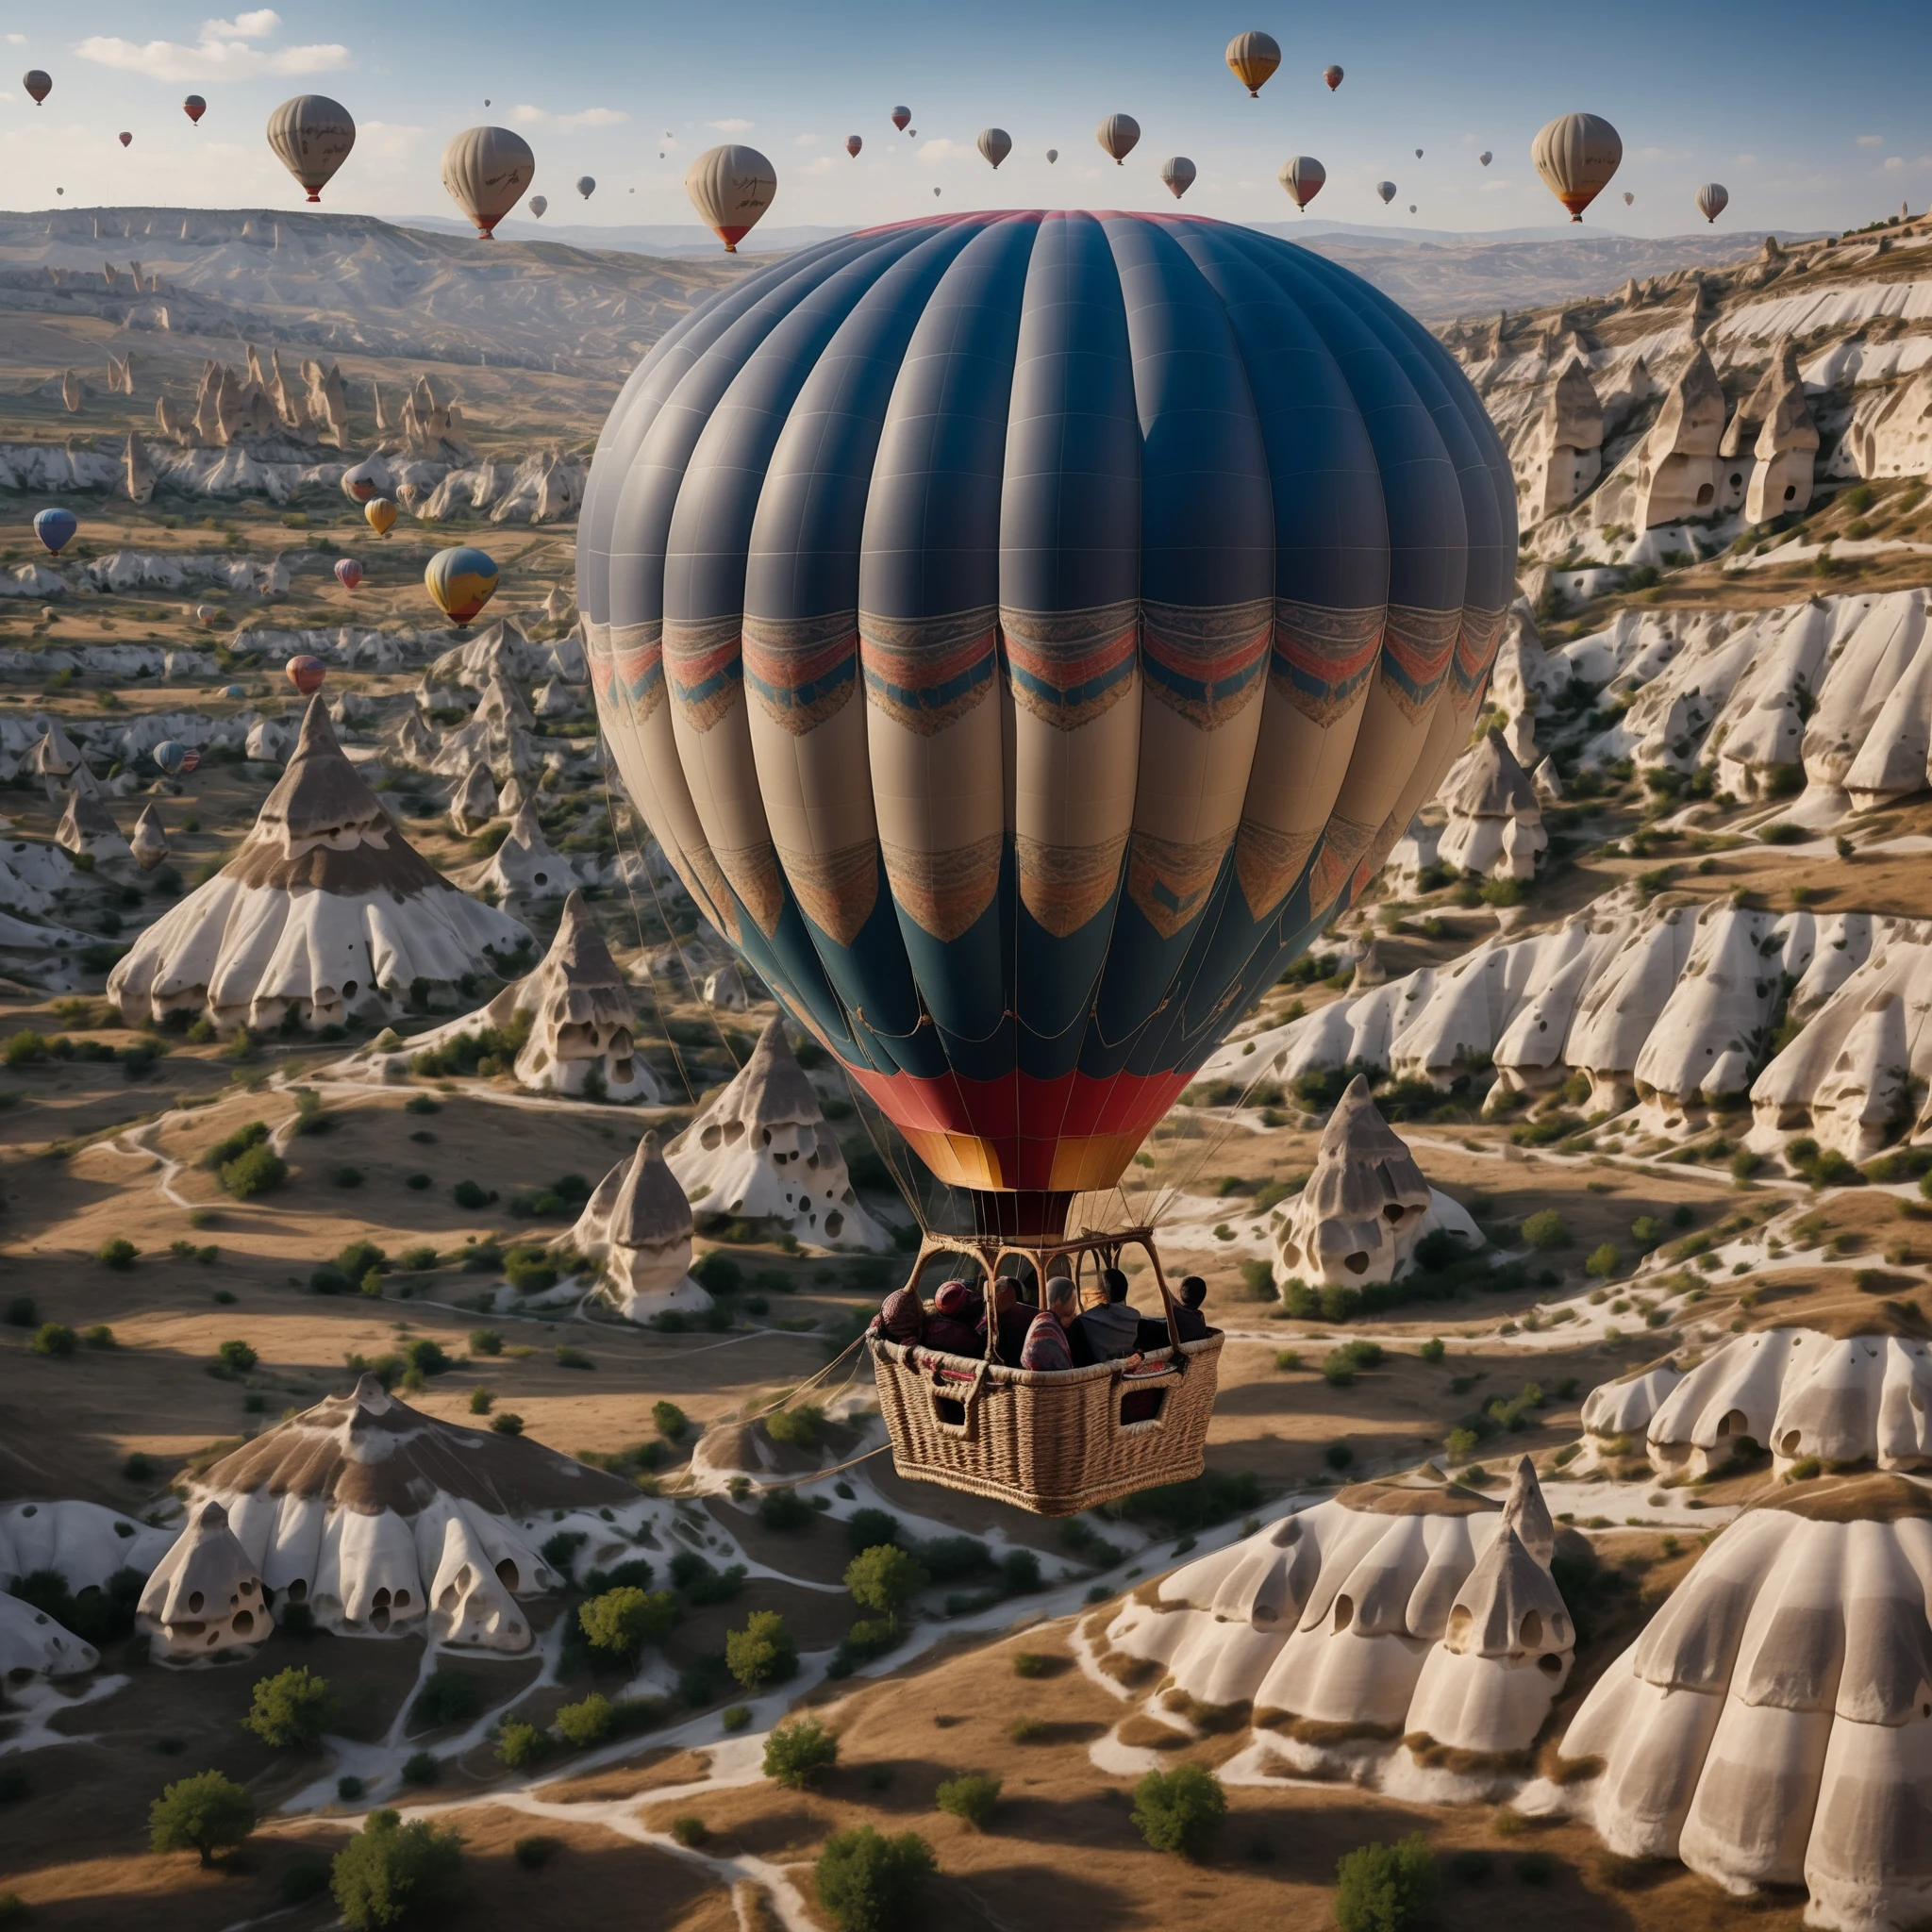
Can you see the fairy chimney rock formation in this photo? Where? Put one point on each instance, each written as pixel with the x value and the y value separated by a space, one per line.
pixel 138 469
pixel 150 842
pixel 1569 443
pixel 205 1595
pixel 87 826
pixel 638 1223
pixel 1358 1218
pixel 1495 824
pixel 1678 474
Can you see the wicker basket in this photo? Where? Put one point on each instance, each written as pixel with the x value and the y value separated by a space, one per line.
pixel 1053 1443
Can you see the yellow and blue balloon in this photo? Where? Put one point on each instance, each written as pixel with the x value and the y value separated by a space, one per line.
pixel 461 580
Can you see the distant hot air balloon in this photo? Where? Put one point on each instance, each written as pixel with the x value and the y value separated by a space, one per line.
pixel 1386 190
pixel 60 190
pixel 731 186
pixel 312 136
pixel 461 580
pixel 587 186
pixel 1053 154
pixel 1712 199
pixel 360 481
pixel 56 528
pixel 902 118
pixel 1418 154
pixel 207 615
pixel 485 171
pixel 379 513
pixel 935 194
pixel 306 673
pixel 125 139
pixel 348 573
pixel 1332 74
pixel 1486 157
pixel 913 134
pixel 39 83
pixel 194 107
pixel 1411 207
pixel 537 204
pixel 1628 199
pixel 853 144
pixel 1118 134
pixel 190 760
pixel 233 691
pixel 169 756
pixel 1303 177
pixel 1577 155
pixel 1177 171
pixel 995 143
pixel 1253 56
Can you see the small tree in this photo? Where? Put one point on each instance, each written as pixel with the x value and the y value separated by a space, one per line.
pixel 1180 1810
pixel 588 1723
pixel 1545 1229
pixel 622 1620
pixel 292 1709
pixel 519 1745
pixel 868 1883
pixel 1602 1262
pixel 203 1814
pixel 669 1420
pixel 236 1356
pixel 798 1755
pixel 970 1798
pixel 54 1337
pixel 1382 1888
pixel 885 1579
pixel 764 1652
pixel 390 1872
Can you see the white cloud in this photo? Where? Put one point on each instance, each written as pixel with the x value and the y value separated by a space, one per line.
pixel 263 25
pixel 1871 140
pixel 1745 161
pixel 805 140
pixel 943 150
pixel 1497 187
pixel 528 116
pixel 821 166
pixel 1894 161
pixel 212 59
pixel 736 124
pixel 388 140
pixel 16 40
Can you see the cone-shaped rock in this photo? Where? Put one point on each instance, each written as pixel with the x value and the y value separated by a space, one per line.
pixel 87 829
pixel 1359 1216
pixel 205 1595
pixel 150 842
pixel 638 1223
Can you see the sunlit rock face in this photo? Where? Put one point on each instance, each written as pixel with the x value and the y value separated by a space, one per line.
pixel 638 1225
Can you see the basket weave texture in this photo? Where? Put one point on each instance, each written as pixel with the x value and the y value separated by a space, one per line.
pixel 1051 1442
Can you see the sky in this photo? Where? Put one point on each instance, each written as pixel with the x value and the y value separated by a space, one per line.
pixel 1805 131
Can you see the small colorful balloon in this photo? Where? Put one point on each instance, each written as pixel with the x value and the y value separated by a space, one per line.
pixel 126 138
pixel 461 581
pixel 207 615
pixel 190 760
pixel 852 144
pixel 169 756
pixel 306 673
pixel 902 117
pixel 56 528
pixel 39 83
pixel 194 107
pixel 233 691
pixel 379 512
pixel 348 573
pixel 1332 74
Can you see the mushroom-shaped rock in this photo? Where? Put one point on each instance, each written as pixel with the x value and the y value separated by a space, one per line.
pixel 149 844
pixel 512 798
pixel 638 1223
pixel 1370 970
pixel 205 1595
pixel 473 803
pixel 1624 1407
pixel 1495 824
pixel 376 1515
pixel 1358 1218
pixel 761 1150
pixel 32 1645
pixel 326 910
pixel 526 866
pixel 87 829
pixel 1773 1725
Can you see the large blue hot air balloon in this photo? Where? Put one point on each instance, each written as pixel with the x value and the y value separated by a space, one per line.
pixel 1022 632
pixel 56 528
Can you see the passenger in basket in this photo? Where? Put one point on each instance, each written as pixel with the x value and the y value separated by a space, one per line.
pixel 1112 1329
pixel 1014 1318
pixel 1189 1322
pixel 1047 1342
pixel 949 1327
pixel 901 1317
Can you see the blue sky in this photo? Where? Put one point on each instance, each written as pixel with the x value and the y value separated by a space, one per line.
pixel 1805 129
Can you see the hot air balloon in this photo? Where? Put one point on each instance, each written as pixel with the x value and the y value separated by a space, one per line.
pixel 348 573
pixel 1253 56
pixel 1386 190
pixel 995 143
pixel 1628 199
pixel 1411 207
pixel 379 513
pixel 537 204
pixel 1418 154
pixel 913 134
pixel 39 83
pixel 731 186
pixel 194 107
pixel 927 506
pixel 233 691
pixel 1303 177
pixel 1577 155
pixel 461 580
pixel 126 138
pixel 853 144
pixel 1177 171
pixel 312 136
pixel 207 615
pixel 1118 134
pixel 169 756
pixel 56 528
pixel 902 118
pixel 485 171
pixel 306 673
pixel 587 186
pixel 1053 154
pixel 1486 157
pixel 190 760
pixel 1712 199
pixel 1332 74
pixel 935 194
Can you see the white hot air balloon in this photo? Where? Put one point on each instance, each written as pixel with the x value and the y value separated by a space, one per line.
pixel 312 136
pixel 1486 157
pixel 587 186
pixel 1177 171
pixel 1386 190
pixel 486 170
pixel 1053 154
pixel 1577 155
pixel 537 204
pixel 995 143
pixel 1712 199
pixel 1118 134
pixel 1303 177
pixel 731 186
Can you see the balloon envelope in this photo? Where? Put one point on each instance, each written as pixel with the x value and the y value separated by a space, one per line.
pixel 1177 171
pixel 233 691
pixel 587 186
pixel 126 139
pixel 902 118
pixel 1628 199
pixel 995 144
pixel 39 83
pixel 731 186
pixel 312 136
pixel 537 204
pixel 348 573
pixel 1053 154
pixel 1252 57
pixel 306 673
pixel 485 171
pixel 1303 177
pixel 1577 155
pixel 168 755
pixel 1486 157
pixel 194 107
pixel 1386 190
pixel 56 528
pixel 207 615
pixel 853 144
pixel 1712 199
pixel 1332 74
pixel 1118 134
pixel 461 580
pixel 379 513
pixel 932 504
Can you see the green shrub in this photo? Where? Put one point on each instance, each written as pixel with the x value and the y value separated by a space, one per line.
pixel 117 1253
pixel 468 1194
pixel 448 1697
pixel 798 1427
pixel 507 1423
pixel 1180 1810
pixel 55 1338
pixel 868 1883
pixel 622 1620
pixel 1545 1229
pixel 734 1717
pixel 588 1723
pixel 21 1311
pixel 236 1356
pixel 292 1709
pixel 885 1579
pixel 422 1768
pixel 798 1753
pixel 1433 1350
pixel 971 1798
pixel 785 1509
pixel 485 1341
pixel 670 1420
pixel 763 1653
pixel 520 1744
pixel 535 1852
pixel 1384 1888
pixel 205 1814
pixel 690 1831
pixel 1602 1262
pixel 259 1170
pixel 390 1872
